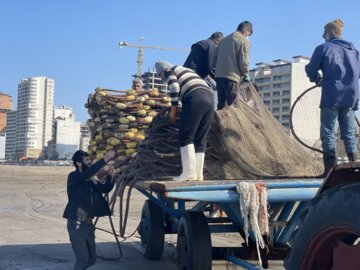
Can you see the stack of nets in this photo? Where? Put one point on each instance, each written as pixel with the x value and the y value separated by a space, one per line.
pixel 245 142
pixel 118 120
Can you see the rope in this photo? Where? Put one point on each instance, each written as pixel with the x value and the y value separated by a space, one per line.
pixel 253 208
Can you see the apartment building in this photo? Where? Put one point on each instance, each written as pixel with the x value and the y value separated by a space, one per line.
pixel 279 85
pixel 34 116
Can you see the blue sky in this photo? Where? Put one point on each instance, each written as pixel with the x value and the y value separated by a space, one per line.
pixel 75 42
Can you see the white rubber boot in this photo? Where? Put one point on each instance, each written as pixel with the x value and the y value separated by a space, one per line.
pixel 199 166
pixel 188 161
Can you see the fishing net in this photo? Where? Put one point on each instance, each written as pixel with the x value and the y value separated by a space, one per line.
pixel 305 123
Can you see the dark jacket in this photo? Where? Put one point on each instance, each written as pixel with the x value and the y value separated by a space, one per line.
pixel 85 197
pixel 339 62
pixel 202 58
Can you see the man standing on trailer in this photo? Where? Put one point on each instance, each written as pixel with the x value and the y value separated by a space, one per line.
pixel 196 116
pixel 202 58
pixel 339 62
pixel 232 64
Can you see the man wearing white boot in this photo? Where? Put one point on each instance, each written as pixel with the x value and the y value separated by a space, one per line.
pixel 196 116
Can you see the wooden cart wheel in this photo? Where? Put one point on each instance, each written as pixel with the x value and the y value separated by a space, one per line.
pixel 152 230
pixel 328 232
pixel 193 248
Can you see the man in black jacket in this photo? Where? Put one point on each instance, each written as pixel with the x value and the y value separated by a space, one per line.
pixel 202 58
pixel 85 203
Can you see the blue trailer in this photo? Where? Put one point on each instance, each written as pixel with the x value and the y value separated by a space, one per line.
pixel 314 222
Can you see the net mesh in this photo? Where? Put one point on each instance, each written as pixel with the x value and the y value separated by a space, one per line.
pixel 306 107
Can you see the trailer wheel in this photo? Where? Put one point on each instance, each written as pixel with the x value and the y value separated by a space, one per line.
pixel 330 225
pixel 193 248
pixel 152 230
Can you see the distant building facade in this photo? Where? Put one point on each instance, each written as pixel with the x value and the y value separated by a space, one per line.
pixel 6 105
pixel 10 142
pixel 34 116
pixel 66 132
pixel 152 80
pixel 85 136
pixel 279 85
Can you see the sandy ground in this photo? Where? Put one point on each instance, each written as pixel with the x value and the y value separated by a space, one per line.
pixel 33 233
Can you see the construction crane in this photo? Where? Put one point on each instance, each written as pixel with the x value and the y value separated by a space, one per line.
pixel 140 48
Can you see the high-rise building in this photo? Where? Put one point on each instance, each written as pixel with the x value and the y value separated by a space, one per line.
pixel 151 80
pixel 279 85
pixel 34 116
pixel 10 144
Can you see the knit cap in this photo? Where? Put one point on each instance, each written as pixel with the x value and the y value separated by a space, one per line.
pixel 162 66
pixel 334 28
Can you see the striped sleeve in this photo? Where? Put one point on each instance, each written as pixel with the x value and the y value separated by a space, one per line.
pixel 174 88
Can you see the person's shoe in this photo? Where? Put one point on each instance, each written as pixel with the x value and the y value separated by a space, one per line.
pixel 352 156
pixel 199 166
pixel 188 161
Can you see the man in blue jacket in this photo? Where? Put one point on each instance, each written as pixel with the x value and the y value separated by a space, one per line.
pixel 339 62
pixel 85 203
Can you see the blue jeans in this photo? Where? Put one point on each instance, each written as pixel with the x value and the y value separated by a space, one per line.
pixel 346 119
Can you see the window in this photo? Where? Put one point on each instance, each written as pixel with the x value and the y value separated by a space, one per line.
pixel 286 100
pixel 286 92
pixel 276 109
pixel 285 109
pixel 267 102
pixel 276 102
pixel 266 95
pixel 276 94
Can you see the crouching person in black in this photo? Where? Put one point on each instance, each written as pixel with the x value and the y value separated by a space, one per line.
pixel 85 203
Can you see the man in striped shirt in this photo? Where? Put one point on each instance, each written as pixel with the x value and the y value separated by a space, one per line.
pixel 196 116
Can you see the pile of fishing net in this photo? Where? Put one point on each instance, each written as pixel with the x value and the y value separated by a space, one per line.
pixel 118 120
pixel 245 142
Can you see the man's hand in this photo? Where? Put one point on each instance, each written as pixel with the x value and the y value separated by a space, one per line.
pixel 173 115
pixel 111 171
pixel 318 80
pixel 211 82
pixel 109 155
pixel 247 78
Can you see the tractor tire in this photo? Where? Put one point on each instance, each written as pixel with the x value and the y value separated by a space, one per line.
pixel 152 230
pixel 332 218
pixel 193 248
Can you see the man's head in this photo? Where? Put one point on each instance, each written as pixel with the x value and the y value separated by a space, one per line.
pixel 217 37
pixel 137 85
pixel 333 29
pixel 161 67
pixel 81 160
pixel 245 28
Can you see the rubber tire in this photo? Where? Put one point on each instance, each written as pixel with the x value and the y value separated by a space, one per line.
pixel 194 231
pixel 331 208
pixel 152 234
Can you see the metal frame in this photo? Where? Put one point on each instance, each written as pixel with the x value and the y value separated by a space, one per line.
pixel 293 194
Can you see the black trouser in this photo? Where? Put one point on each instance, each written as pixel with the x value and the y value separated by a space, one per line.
pixel 82 238
pixel 227 91
pixel 196 117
